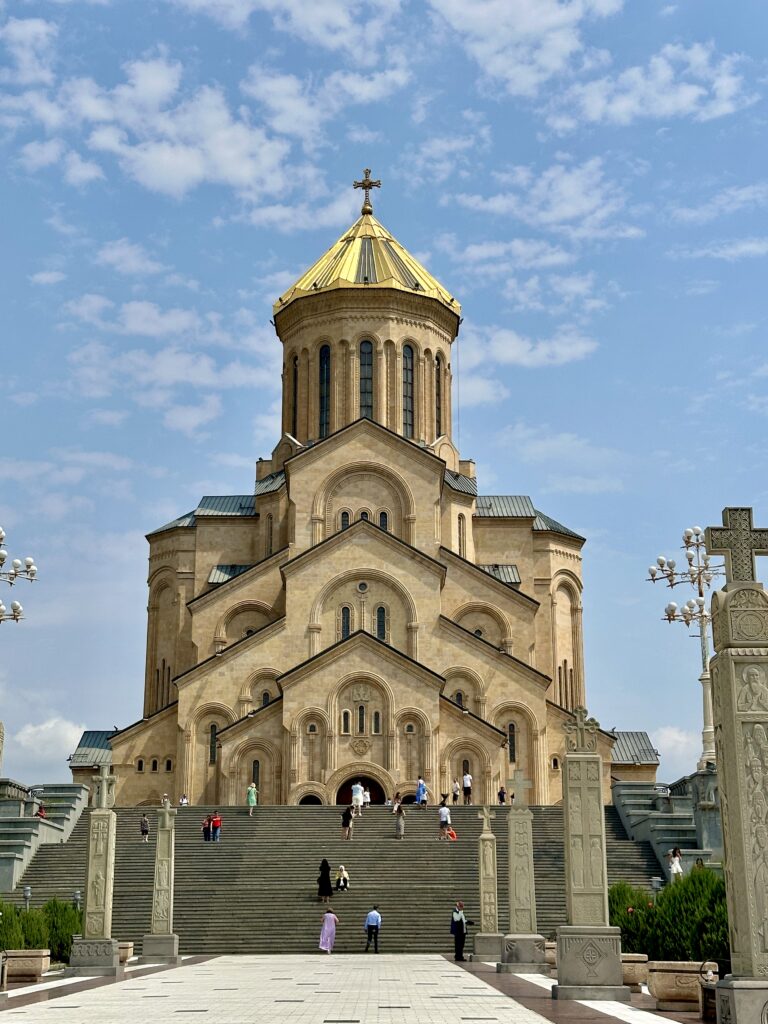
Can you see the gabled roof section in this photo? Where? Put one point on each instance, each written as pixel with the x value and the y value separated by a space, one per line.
pixel 184 521
pixel 461 483
pixel 225 573
pixel 540 677
pixel 519 595
pixel 251 714
pixel 633 748
pixel 544 523
pixel 503 573
pixel 226 505
pixel 505 506
pixel 368 256
pixel 270 483
pixel 93 749
pixel 472 716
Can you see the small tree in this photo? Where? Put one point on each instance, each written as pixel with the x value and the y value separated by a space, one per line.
pixel 11 935
pixel 691 920
pixel 64 921
pixel 630 909
pixel 34 926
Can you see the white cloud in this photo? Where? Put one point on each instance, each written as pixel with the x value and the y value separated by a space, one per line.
pixel 138 317
pixel 35 155
pixel 679 750
pixel 108 417
pixel 730 251
pixel 128 257
pixel 43 748
pixel 570 462
pixel 189 418
pixel 78 171
pixel 30 44
pixel 476 390
pixel 678 81
pixel 729 200
pixel 506 347
pixel 47 277
pixel 438 157
pixel 577 200
pixel 287 218
pixel 525 43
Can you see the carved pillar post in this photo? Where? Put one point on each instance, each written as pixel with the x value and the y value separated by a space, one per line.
pixel 489 939
pixel 161 945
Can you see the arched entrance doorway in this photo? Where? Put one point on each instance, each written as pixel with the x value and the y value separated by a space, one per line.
pixel 310 798
pixel 344 794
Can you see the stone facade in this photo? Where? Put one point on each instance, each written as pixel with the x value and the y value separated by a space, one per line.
pixel 363 612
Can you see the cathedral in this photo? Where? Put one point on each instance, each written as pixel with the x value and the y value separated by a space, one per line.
pixel 363 612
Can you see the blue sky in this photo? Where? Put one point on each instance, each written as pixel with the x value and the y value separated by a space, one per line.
pixel 588 177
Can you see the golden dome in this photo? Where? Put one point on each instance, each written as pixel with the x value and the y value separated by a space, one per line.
pixel 368 256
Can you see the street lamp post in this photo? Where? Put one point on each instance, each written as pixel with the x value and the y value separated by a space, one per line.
pixel 18 571
pixel 698 573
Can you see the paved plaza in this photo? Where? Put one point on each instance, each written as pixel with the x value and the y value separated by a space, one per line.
pixel 319 989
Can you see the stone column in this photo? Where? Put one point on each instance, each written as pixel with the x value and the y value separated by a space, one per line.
pixel 489 940
pixel 161 945
pixel 739 673
pixel 524 951
pixel 95 952
pixel 588 950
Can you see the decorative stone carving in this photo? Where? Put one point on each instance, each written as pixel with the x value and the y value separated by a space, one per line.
pixel 360 746
pixel 489 940
pixel 161 945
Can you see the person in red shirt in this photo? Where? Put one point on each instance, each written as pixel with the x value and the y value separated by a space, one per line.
pixel 216 827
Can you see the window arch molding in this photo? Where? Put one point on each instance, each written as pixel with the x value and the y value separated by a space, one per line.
pixel 221 636
pixel 403 522
pixel 377 683
pixel 325 595
pixel 492 611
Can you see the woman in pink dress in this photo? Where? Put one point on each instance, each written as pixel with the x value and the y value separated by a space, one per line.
pixel 328 931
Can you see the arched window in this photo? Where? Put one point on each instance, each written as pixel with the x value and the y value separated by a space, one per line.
pixel 479 632
pixel 265 698
pixel 140 765
pixel 312 727
pixel 212 744
pixel 154 764
pixel 407 391
pixel 256 773
pixel 410 728
pixel 512 741
pixel 168 764
pixel 345 520
pixel 346 622
pixel 269 534
pixel 295 393
pixel 438 396
pixel 462 536
pixel 555 764
pixel 365 516
pixel 381 622
pixel 361 718
pixel 465 767
pixel 366 380
pixel 346 722
pixel 459 698
pixel 377 722
pixel 325 390
pixel 383 520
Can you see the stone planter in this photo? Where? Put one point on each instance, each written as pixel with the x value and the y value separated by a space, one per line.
pixel 550 953
pixel 27 966
pixel 634 970
pixel 125 951
pixel 675 983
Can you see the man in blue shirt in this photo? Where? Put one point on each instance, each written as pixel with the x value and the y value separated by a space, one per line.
pixel 372 925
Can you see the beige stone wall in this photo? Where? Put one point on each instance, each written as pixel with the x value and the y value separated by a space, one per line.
pixel 144 758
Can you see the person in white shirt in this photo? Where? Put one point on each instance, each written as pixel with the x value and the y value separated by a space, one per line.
pixel 372 925
pixel 357 799
pixel 467 784
pixel 366 797
pixel 456 790
pixel 445 821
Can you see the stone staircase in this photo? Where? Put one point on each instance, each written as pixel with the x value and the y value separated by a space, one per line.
pixel 256 891
pixel 22 833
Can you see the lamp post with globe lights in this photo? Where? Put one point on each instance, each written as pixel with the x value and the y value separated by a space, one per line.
pixel 19 570
pixel 698 572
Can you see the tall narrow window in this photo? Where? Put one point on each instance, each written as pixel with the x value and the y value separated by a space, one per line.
pixel 345 520
pixel 383 520
pixel 269 534
pixel 465 767
pixel 462 536
pixel 265 698
pixel 459 698
pixel 365 516
pixel 361 718
pixel 325 390
pixel 346 622
pixel 381 623
pixel 407 391
pixel 212 744
pixel 256 773
pixel 295 394
pixel 438 396
pixel 511 741
pixel 346 722
pixel 377 722
pixel 366 380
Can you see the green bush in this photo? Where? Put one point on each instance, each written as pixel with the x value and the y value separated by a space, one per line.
pixel 11 935
pixel 64 921
pixel 34 926
pixel 630 909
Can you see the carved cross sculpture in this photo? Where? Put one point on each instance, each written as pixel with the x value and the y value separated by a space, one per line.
pixel 105 786
pixel 739 542
pixel 518 786
pixel 367 184
pixel 166 816
pixel 581 735
pixel 485 815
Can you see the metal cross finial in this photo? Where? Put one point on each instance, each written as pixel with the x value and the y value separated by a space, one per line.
pixel 485 815
pixel 518 784
pixel 104 787
pixel 581 735
pixel 739 542
pixel 367 184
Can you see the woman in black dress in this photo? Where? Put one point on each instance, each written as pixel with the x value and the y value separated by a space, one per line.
pixel 324 889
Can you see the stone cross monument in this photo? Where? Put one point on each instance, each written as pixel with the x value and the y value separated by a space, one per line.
pixel 161 945
pixel 524 951
pixel 2 744
pixel 489 940
pixel 95 952
pixel 739 672
pixel 588 950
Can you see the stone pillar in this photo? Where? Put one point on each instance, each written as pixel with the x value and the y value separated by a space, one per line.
pixel 161 945
pixel 588 950
pixel 739 673
pixel 489 940
pixel 95 952
pixel 2 743
pixel 524 950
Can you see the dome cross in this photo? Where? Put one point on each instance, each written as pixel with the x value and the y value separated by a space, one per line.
pixel 367 184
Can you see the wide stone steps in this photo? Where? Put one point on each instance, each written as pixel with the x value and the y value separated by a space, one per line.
pixel 256 891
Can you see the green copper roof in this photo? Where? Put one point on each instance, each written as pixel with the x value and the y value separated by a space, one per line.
pixel 547 523
pixel 225 573
pixel 505 506
pixel 503 573
pixel 93 749
pixel 460 482
pixel 633 748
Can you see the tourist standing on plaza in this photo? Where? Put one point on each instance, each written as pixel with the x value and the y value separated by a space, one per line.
pixel 459 925
pixel 467 785
pixel 372 925
pixel 399 814
pixel 324 889
pixel 144 828
pixel 342 879
pixel 502 794
pixel 456 789
pixel 328 931
pixel 251 798
pixel 421 792
pixel 676 864
pixel 357 798
pixel 216 827
pixel 346 822
pixel 205 828
pixel 445 820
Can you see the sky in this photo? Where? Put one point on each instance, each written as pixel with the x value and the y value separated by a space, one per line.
pixel 588 177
